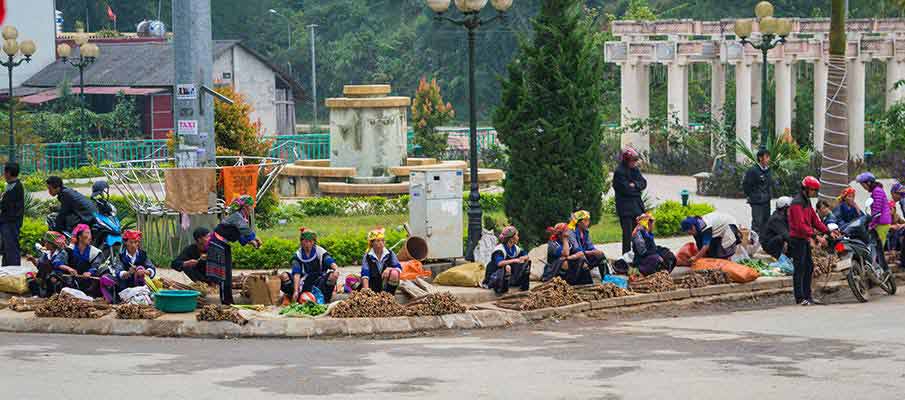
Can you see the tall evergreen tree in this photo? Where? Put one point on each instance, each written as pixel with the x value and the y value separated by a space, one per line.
pixel 550 120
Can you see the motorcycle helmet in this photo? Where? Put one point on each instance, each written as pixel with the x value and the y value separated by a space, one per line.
pixel 810 182
pixel 630 154
pixel 866 177
pixel 898 188
pixel 99 188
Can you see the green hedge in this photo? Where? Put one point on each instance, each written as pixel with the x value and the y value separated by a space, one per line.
pixel 353 206
pixel 276 253
pixel 670 213
pixel 32 232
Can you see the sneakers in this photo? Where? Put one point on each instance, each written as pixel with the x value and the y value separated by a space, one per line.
pixel 806 303
pixel 817 302
pixel 811 302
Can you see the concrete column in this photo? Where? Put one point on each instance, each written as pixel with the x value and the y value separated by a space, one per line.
pixel 743 105
pixel 794 87
pixel 783 73
pixel 821 74
pixel 895 71
pixel 856 93
pixel 756 107
pixel 677 93
pixel 717 98
pixel 635 103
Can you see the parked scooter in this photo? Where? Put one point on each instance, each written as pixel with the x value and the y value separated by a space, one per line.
pixel 106 230
pixel 863 261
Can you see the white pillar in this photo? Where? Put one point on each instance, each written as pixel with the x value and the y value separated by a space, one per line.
pixel 783 73
pixel 793 87
pixel 756 107
pixel 743 105
pixel 856 89
pixel 677 93
pixel 635 103
pixel 717 98
pixel 895 71
pixel 821 75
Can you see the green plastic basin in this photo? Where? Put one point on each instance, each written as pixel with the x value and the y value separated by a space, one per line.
pixel 176 301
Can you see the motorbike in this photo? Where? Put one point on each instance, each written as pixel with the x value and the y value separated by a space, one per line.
pixel 106 230
pixel 862 260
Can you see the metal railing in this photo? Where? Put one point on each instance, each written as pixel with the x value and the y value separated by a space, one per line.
pixel 46 157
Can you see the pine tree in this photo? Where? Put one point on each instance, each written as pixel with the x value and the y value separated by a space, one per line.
pixel 550 121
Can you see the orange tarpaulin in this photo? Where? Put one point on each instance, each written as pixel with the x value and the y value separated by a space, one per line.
pixel 736 272
pixel 238 181
pixel 412 270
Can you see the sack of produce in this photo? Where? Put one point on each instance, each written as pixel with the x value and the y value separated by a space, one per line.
pixel 14 284
pixel 736 272
pixel 683 256
pixel 466 275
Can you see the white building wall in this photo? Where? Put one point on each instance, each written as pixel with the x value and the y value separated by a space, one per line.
pixel 35 20
pixel 256 81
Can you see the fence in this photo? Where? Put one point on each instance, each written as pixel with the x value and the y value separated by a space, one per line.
pixel 56 156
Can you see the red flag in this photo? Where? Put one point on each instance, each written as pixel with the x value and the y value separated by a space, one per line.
pixel 2 11
pixel 110 15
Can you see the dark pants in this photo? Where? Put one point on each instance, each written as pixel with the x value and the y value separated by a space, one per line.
pixel 800 252
pixel 774 247
pixel 628 225
pixel 760 213
pixel 10 236
pixel 198 273
pixel 520 275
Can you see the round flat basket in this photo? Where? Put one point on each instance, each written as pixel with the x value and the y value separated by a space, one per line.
pixel 176 301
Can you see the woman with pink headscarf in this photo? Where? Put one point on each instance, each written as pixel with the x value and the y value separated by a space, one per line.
pixel 85 260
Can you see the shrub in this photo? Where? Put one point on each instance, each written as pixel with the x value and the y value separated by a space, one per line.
pixel 236 133
pixel 32 232
pixel 428 113
pixel 670 213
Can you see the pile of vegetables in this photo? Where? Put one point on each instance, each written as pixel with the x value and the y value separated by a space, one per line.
pixel 761 267
pixel 308 309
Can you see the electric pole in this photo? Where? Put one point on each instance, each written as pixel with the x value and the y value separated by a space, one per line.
pixel 313 78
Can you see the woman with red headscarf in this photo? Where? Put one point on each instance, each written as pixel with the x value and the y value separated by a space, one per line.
pixel 847 210
pixel 557 252
pixel 133 264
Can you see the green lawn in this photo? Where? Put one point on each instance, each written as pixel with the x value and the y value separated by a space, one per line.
pixel 606 231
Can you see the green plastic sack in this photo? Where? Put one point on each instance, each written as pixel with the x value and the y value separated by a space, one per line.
pixel 14 284
pixel 466 275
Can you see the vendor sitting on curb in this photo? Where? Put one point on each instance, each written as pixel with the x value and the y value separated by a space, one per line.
pixel 51 266
pixel 558 251
pixel 133 264
pixel 380 268
pixel 647 258
pixel 192 261
pixel 847 209
pixel 312 268
pixel 86 259
pixel 825 213
pixel 775 239
pixel 509 264
pixel 716 235
pixel 586 255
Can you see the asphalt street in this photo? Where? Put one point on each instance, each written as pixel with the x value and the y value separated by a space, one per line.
pixel 841 351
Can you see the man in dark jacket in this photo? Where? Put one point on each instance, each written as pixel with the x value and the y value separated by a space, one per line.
pixel 192 261
pixel 629 185
pixel 12 211
pixel 776 232
pixel 75 208
pixel 758 186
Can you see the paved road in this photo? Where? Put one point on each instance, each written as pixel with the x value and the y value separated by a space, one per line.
pixel 843 351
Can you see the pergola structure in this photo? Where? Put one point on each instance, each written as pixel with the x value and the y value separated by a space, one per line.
pixel 680 43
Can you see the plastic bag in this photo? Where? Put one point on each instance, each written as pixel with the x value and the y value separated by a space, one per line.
pixel 14 284
pixel 616 280
pixel 736 272
pixel 78 294
pixel 136 295
pixel 412 270
pixel 683 256
pixel 484 249
pixel 466 275
pixel 784 263
pixel 14 270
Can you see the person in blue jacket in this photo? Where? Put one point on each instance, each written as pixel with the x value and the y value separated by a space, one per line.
pixel 133 264
pixel 312 267
pixel 380 268
pixel 509 264
pixel 584 254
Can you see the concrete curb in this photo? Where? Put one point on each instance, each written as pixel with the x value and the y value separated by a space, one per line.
pixel 184 325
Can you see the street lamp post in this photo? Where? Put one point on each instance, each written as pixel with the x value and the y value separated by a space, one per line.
pixel 471 20
pixel 773 32
pixel 11 47
pixel 289 36
pixel 88 53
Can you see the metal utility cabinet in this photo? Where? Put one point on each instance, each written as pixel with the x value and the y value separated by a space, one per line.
pixel 435 210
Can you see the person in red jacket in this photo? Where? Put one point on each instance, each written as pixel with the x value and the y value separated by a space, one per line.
pixel 804 224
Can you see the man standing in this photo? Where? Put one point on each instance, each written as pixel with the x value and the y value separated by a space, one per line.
pixel 758 186
pixel 12 211
pixel 629 185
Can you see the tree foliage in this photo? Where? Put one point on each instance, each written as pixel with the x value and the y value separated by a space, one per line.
pixel 550 121
pixel 429 112
pixel 236 133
